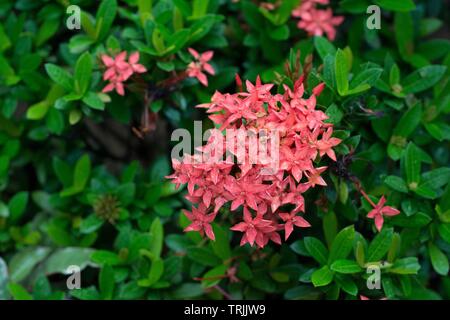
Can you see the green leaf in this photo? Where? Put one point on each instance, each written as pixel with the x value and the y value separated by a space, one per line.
pixel 17 205
pixel 366 77
pixel 444 231
pixel 59 76
pixel 157 234
pixel 435 178
pixel 345 266
pixel 396 5
pixel 299 248
pixel 425 192
pixel 342 244
pixel 106 282
pixel 145 10
pixel 93 101
pixel 81 176
pixel 61 259
pixel 316 249
pixel 280 33
pixel 126 193
pixel 408 265
pixel 324 47
pixel 18 292
pixel 91 224
pixel 408 122
pixel 394 249
pixel 423 78
pixel 75 116
pixel 89 293
pixel 105 257
pixel 4 278
pixel 412 166
pixel 404 34
pixel 38 110
pixel 380 245
pixel 188 291
pixel 155 273
pixel 418 220
pixel 203 256
pixel 105 18
pixel 83 72
pixel 23 262
pixel 360 253
pixel 199 8
pixel 438 259
pixel 221 246
pixel 396 183
pixel 330 226
pixel 388 286
pixel 213 276
pixel 341 72
pixel 394 75
pixel 322 277
pixel 347 284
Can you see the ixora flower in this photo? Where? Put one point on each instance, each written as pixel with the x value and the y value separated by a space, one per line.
pixel 317 22
pixel 379 211
pixel 195 68
pixel 264 200
pixel 118 70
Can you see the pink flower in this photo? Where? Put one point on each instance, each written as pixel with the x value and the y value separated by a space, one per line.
pixel 326 144
pixel 317 22
pixel 291 220
pixel 379 210
pixel 134 65
pixel 195 69
pixel 118 70
pixel 201 221
pixel 253 228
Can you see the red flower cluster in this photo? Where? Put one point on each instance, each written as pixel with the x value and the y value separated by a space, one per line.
pixel 317 22
pixel 271 199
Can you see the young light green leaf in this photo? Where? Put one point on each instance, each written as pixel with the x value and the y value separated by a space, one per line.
pixel 157 234
pixel 322 277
